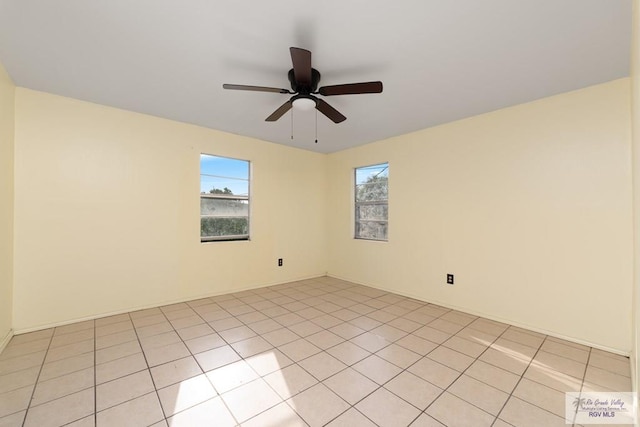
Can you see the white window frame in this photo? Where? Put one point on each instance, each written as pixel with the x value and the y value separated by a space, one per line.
pixel 241 197
pixel 356 203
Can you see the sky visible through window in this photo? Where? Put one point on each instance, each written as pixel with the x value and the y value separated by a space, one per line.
pixel 221 172
pixel 362 174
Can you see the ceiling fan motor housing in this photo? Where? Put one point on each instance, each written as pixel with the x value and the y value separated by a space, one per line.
pixel 301 89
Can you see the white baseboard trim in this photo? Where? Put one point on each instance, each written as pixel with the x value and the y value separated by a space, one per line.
pixel 158 304
pixel 495 318
pixel 6 340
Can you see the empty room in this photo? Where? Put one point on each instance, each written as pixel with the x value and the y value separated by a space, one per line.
pixel 295 213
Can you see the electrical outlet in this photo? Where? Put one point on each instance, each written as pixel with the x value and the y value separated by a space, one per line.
pixel 279 262
pixel 450 279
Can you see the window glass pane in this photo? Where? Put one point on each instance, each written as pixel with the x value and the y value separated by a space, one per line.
pixel 378 211
pixel 373 230
pixel 217 227
pixel 371 202
pixel 223 207
pixel 224 198
pixel 223 166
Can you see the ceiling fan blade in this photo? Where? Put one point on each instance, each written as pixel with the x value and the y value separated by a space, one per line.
pixel 255 88
pixel 301 59
pixel 333 114
pixel 351 89
pixel 279 112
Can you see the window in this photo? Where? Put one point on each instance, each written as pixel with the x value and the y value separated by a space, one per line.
pixel 224 198
pixel 371 206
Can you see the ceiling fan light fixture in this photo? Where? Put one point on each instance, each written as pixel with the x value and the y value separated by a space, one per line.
pixel 304 104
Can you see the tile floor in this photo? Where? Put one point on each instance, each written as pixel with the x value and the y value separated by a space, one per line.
pixel 314 352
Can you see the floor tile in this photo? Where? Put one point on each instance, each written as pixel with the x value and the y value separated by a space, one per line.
pixel 351 385
pixel 418 392
pixel 142 411
pixel 387 410
pixel 250 400
pixel 399 356
pixel 175 371
pixel 434 372
pixel 159 355
pixel 299 349
pixel 425 420
pixel 416 344
pixel 13 420
pixel 18 379
pixel 61 411
pixel 123 389
pixel 204 343
pixel 433 335
pixel 251 346
pixel 541 396
pixel 454 412
pixel 47 391
pixel 66 366
pixel 324 339
pixel 318 405
pixel 290 381
pixel 69 350
pixel 212 359
pixel 565 350
pixel 280 415
pixel 346 330
pixel 120 367
pixel 377 369
pixel 196 331
pixel 322 365
pixel 268 362
pixel 306 328
pixel 21 362
pixel 370 341
pixel 477 393
pixel 117 351
pixel 560 364
pixel 522 414
pixel 21 349
pixel 519 336
pixel 464 346
pixel 231 376
pixel 493 376
pixel 15 401
pixel 351 418
pixel 617 366
pixel 607 379
pixel 280 337
pixel 249 364
pixel 185 394
pixel 72 338
pixel 348 353
pixel 115 339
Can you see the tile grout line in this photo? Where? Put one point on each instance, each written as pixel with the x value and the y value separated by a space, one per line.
pixel 518 383
pixel 37 378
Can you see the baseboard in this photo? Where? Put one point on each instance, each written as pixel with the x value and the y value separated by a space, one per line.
pixel 493 317
pixel 6 340
pixel 157 304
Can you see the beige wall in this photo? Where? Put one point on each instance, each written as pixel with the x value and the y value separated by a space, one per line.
pixel 635 126
pixel 107 212
pixel 528 206
pixel 7 91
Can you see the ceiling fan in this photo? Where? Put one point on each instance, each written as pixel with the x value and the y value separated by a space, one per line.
pixel 304 84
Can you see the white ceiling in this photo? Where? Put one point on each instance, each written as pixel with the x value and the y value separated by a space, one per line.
pixel 439 60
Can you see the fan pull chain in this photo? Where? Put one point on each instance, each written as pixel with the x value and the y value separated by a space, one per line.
pixel 316 126
pixel 292 124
